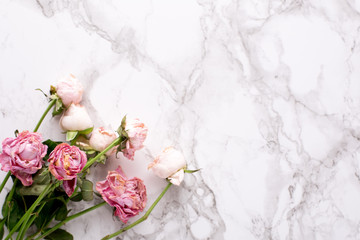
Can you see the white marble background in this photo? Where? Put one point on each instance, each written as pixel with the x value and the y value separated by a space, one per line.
pixel 264 96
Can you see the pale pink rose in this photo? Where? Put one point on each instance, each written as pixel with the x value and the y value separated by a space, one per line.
pixel 128 196
pixel 75 118
pixel 137 132
pixel 69 90
pixel 177 177
pixel 65 162
pixel 169 164
pixel 23 155
pixel 101 138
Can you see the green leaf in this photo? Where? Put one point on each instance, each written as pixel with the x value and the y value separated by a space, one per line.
pixel 59 107
pixel 90 152
pixel 16 212
pixel 87 190
pixel 42 177
pixel 77 197
pixel 59 234
pixel 51 145
pixel 48 212
pixel 5 207
pixel 61 213
pixel 71 135
pixel 191 171
pixel 33 190
pixel 86 131
pixel 38 89
pixel 16 132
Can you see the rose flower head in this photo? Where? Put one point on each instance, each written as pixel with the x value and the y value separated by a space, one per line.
pixel 170 164
pixel 128 196
pixel 70 90
pixel 136 132
pixel 75 118
pixel 23 155
pixel 101 138
pixel 65 163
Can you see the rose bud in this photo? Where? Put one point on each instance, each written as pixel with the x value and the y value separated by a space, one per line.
pixel 128 196
pixel 169 164
pixel 70 90
pixel 137 132
pixel 101 138
pixel 23 155
pixel 75 118
pixel 65 162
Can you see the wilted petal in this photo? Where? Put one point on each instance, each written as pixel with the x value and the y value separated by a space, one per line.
pixel 69 186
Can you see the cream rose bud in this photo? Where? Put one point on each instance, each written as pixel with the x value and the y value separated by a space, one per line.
pixel 101 138
pixel 75 118
pixel 70 90
pixel 169 164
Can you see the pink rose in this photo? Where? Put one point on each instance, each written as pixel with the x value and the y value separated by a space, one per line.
pixel 65 163
pixel 23 155
pixel 169 164
pixel 75 118
pixel 101 138
pixel 69 90
pixel 128 196
pixel 136 132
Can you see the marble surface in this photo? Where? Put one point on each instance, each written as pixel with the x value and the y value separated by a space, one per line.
pixel 263 96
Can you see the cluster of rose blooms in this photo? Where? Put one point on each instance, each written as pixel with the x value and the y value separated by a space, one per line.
pixel 65 164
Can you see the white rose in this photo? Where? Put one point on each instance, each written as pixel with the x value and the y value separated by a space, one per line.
pixel 101 138
pixel 75 118
pixel 169 164
pixel 69 90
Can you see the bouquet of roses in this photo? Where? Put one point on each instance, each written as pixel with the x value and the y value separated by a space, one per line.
pixel 48 174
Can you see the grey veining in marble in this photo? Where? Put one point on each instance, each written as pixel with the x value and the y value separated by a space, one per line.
pixel 263 96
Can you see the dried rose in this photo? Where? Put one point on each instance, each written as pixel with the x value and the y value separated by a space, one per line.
pixel 65 163
pixel 128 196
pixel 23 155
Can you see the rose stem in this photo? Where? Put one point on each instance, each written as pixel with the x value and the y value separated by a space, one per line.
pixel 70 218
pixel 24 227
pixel 51 104
pixel 143 218
pixel 26 216
pixel 91 161
pixel 5 180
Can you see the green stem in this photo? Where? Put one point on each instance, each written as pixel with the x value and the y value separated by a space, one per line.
pixel 5 180
pixel 143 218
pixel 91 161
pixel 26 226
pixel 51 104
pixel 26 216
pixel 69 219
